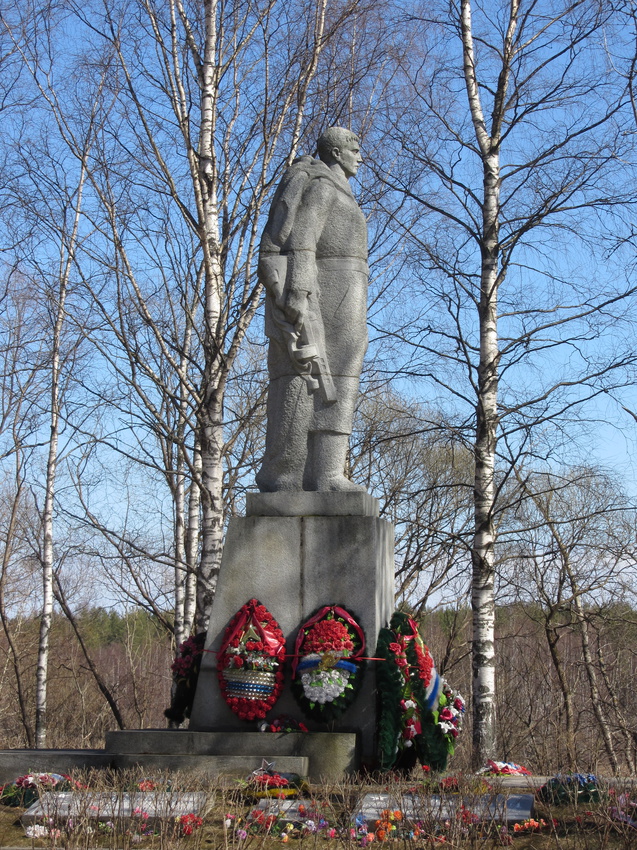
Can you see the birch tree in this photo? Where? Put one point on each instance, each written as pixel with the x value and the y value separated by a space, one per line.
pixel 20 332
pixel 203 107
pixel 521 168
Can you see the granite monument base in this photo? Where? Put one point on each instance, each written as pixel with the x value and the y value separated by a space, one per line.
pixel 296 552
pixel 317 755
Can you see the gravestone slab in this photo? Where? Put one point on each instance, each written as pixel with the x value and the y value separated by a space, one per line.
pixel 108 806
pixel 441 807
pixel 287 809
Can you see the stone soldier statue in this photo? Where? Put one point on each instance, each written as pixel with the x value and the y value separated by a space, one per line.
pixel 313 262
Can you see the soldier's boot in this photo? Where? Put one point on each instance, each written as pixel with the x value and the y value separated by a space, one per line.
pixel 325 468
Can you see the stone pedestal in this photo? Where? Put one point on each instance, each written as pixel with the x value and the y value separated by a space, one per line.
pixel 295 553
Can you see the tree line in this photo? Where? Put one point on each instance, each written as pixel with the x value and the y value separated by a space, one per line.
pixel 133 655
pixel 143 142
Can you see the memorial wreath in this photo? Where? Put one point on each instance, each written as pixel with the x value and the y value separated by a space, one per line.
pixel 327 670
pixel 411 694
pixel 185 669
pixel 250 662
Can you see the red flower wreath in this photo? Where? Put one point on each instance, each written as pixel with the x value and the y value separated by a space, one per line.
pixel 250 662
pixel 327 670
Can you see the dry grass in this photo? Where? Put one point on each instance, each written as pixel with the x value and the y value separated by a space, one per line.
pixel 328 822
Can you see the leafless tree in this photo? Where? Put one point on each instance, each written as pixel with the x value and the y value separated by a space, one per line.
pixel 511 161
pixel 571 550
pixel 198 107
pixel 402 452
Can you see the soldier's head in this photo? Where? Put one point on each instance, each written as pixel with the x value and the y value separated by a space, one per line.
pixel 339 147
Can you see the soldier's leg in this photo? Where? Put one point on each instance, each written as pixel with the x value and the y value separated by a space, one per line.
pixel 328 439
pixel 289 412
pixel 325 469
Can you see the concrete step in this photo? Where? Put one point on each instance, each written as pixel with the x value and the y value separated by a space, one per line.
pixel 238 766
pixel 329 755
pixel 14 763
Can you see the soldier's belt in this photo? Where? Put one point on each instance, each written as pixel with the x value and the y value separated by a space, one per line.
pixel 349 264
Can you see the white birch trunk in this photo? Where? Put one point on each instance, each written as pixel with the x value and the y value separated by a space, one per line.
pixel 212 513
pixel 182 624
pixel 47 557
pixel 211 414
pixel 482 553
pixel 66 260
pixel 181 569
pixel 192 542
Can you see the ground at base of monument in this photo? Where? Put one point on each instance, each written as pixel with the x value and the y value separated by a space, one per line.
pixel 410 813
pixel 421 810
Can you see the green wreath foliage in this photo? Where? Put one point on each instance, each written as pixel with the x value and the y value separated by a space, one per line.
pixel 185 685
pixel 430 746
pixel 390 688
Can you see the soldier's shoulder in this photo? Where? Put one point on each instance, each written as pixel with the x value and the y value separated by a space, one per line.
pixel 306 178
pixel 308 169
pixel 300 176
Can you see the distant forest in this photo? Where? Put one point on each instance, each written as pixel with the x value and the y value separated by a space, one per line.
pixel 559 707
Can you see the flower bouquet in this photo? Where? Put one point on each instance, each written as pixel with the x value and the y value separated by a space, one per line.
pixel 327 672
pixel 270 783
pixel 504 768
pixel 185 669
pixel 250 662
pixel 283 724
pixel 570 788
pixel 451 708
pixel 25 790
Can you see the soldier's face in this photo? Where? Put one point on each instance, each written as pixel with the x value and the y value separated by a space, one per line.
pixel 349 158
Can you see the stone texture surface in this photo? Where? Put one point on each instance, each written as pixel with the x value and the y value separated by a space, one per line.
pixel 295 565
pixel 315 754
pixel 499 807
pixel 313 264
pixel 236 766
pixel 337 503
pixel 14 763
pixel 105 806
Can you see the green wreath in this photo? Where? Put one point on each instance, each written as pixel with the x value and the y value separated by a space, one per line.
pixel 185 670
pixel 408 687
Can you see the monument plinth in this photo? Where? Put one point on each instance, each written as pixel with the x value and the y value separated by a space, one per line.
pixel 295 563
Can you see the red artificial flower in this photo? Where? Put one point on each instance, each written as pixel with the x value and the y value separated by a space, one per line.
pixel 188 823
pixel 327 636
pixel 425 662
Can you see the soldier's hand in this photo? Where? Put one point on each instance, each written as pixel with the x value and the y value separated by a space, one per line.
pixel 296 306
